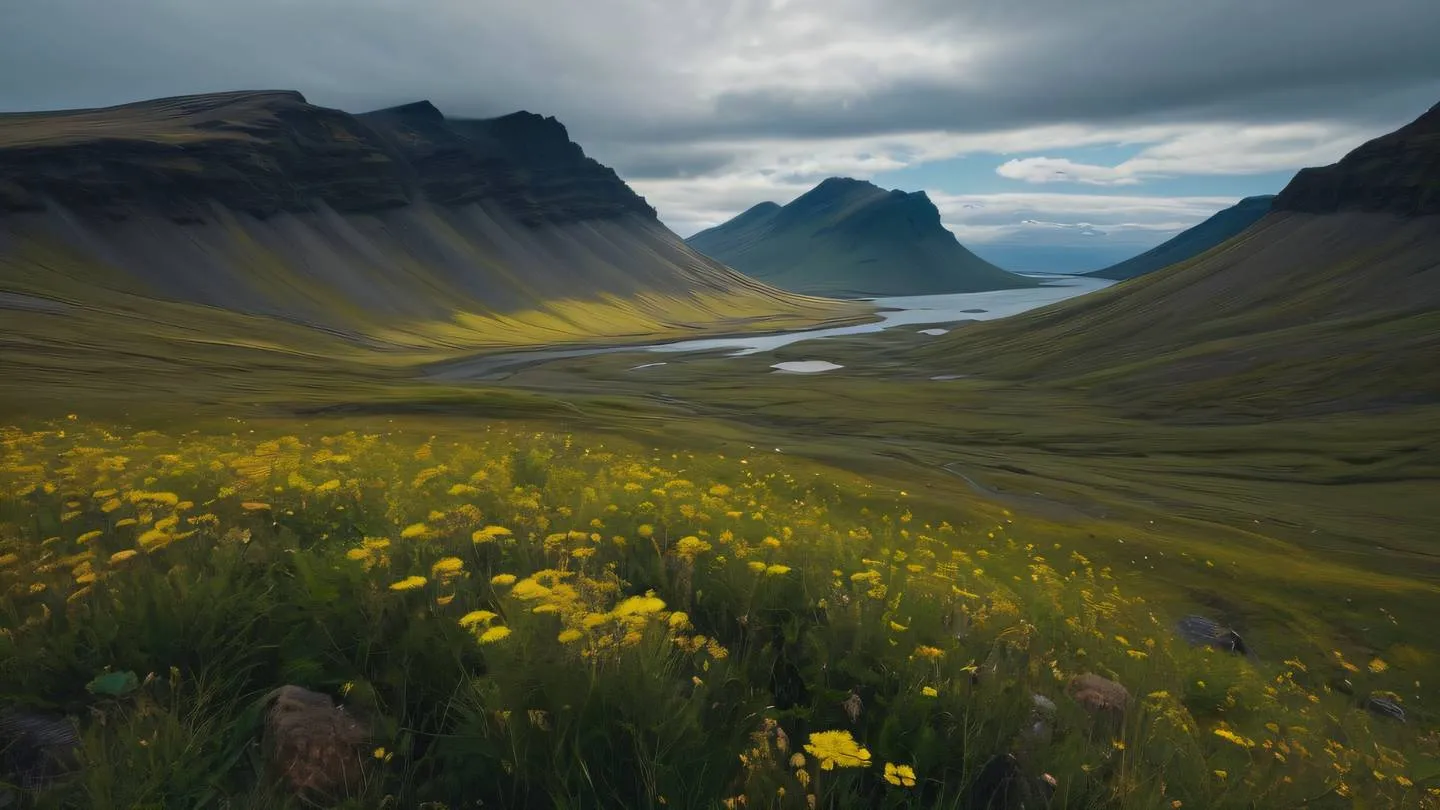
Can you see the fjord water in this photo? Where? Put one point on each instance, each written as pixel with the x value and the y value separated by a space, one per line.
pixel 917 309
pixel 894 312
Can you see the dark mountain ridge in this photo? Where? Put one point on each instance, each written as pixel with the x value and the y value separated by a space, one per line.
pixel 1192 242
pixel 1398 173
pixel 268 152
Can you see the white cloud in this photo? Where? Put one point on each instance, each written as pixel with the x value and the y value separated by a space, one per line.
pixel 1064 170
pixel 1206 150
pixel 1057 218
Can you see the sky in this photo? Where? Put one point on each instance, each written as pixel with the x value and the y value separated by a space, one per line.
pixel 1051 134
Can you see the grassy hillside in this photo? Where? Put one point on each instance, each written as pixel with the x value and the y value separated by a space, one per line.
pixel 1302 314
pixel 1193 241
pixel 848 238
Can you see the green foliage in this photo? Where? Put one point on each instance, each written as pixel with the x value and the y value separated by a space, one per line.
pixel 535 620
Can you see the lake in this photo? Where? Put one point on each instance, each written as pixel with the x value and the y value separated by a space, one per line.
pixel 929 310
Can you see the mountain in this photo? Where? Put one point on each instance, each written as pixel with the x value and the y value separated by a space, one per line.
pixel 1192 242
pixel 395 228
pixel 1398 173
pixel 851 239
pixel 1330 303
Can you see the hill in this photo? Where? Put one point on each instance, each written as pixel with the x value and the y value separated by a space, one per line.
pixel 1192 242
pixel 1329 303
pixel 851 239
pixel 397 228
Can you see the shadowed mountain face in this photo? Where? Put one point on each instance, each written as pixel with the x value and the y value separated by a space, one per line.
pixel 849 238
pixel 399 225
pixel 1329 303
pixel 1397 173
pixel 1192 242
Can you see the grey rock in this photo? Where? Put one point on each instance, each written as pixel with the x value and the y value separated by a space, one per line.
pixel 36 748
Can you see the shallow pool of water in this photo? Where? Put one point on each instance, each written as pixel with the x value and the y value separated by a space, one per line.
pixel 806 366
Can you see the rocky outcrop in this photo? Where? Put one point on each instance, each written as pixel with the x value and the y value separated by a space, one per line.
pixel 264 153
pixel 1398 173
pixel 261 153
pixel 523 162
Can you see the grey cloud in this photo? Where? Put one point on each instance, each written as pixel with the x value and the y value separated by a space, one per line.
pixel 621 71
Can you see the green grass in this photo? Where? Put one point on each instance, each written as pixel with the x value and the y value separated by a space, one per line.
pixel 1313 535
pixel 221 563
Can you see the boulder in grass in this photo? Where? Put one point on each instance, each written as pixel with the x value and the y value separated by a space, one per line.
pixel 36 748
pixel 1201 631
pixel 1099 695
pixel 1005 784
pixel 1385 707
pixel 317 747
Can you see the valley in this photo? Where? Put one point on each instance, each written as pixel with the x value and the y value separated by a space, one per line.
pixel 427 429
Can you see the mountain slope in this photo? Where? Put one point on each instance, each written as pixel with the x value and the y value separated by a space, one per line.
pixel 397 228
pixel 848 238
pixel 1192 242
pixel 1329 303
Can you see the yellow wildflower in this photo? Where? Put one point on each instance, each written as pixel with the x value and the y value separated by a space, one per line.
pixel 447 568
pixel 899 775
pixel 501 580
pixel 837 748
pixel 494 634
pixel 527 589
pixel 929 691
pixel 414 530
pixel 567 636
pixel 475 617
pixel 1226 734
pixel 122 556
pixel 490 533
pixel 408 584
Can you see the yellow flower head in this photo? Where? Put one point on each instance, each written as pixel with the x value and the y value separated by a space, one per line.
pixel 494 634
pixel 528 589
pixel 490 534
pixel 475 617
pixel 447 568
pixel 501 580
pixel 408 584
pixel 567 636
pixel 122 556
pixel 837 749
pixel 899 775
pixel 639 606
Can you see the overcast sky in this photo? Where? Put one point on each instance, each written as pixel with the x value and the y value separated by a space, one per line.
pixel 1046 122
